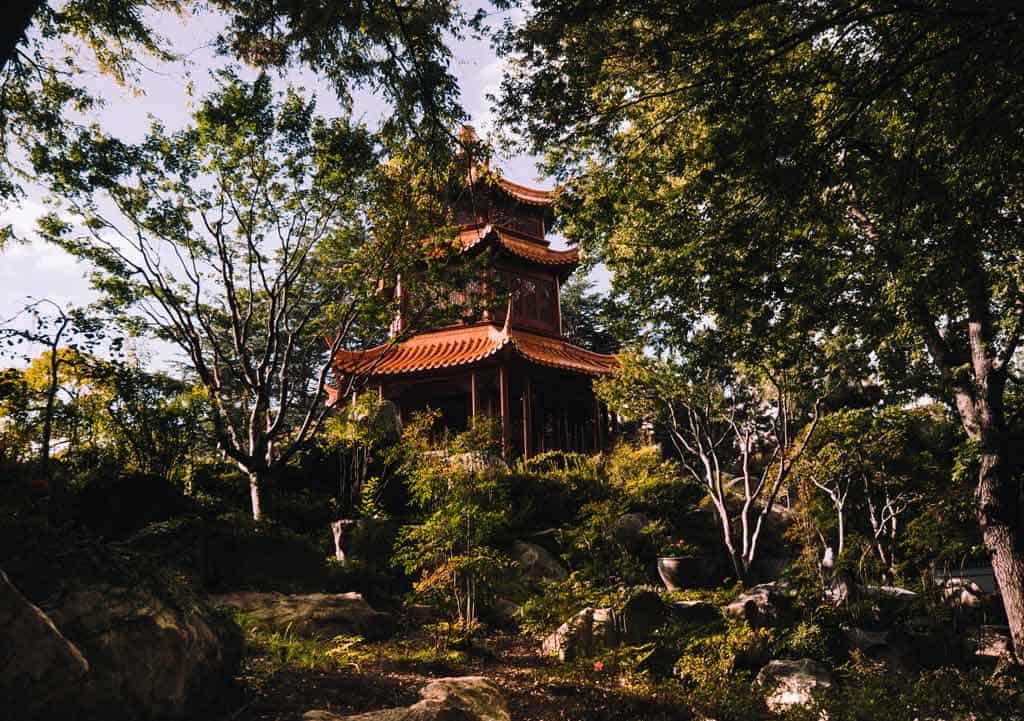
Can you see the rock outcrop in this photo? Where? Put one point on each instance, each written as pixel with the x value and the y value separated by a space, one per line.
pixel 693 613
pixel 322 615
pixel 989 641
pixel 762 605
pixel 41 671
pixel 149 657
pixel 595 629
pixel 573 639
pixel 792 683
pixel 893 647
pixel 631 530
pixel 963 593
pixel 642 615
pixel 537 562
pixel 463 698
pixel 112 652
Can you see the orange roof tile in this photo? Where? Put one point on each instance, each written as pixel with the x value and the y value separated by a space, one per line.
pixel 559 353
pixel 467 345
pixel 533 250
pixel 531 196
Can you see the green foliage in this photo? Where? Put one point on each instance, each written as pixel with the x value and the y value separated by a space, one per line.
pixel 657 487
pixel 868 690
pixel 278 650
pixel 113 417
pixel 598 549
pixel 363 436
pixel 257 231
pixel 887 475
pixel 548 489
pixel 834 184
pixel 588 317
pixel 552 602
pixel 735 430
pixel 462 508
pixel 716 664
pixel 790 156
pixel 807 639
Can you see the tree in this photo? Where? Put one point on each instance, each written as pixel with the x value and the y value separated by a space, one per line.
pixel 587 316
pixel 462 501
pixel 855 167
pixel 738 436
pixel 398 49
pixel 877 468
pixel 247 239
pixel 151 423
pixel 49 325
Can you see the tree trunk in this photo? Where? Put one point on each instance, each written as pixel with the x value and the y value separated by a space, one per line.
pixel 998 506
pixel 18 16
pixel 56 485
pixel 254 493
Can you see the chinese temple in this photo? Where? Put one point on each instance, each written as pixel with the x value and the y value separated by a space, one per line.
pixel 511 360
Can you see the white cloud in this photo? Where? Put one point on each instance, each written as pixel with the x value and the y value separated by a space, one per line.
pixel 23 217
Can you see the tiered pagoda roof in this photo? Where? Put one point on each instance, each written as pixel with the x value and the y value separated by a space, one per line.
pixel 521 245
pixel 467 345
pixel 540 342
pixel 530 196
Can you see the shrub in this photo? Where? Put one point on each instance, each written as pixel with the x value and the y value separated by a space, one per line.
pixel 462 507
pixel 555 601
pixel 867 690
pixel 807 640
pixel 597 550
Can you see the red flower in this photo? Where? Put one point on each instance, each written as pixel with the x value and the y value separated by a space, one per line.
pixel 598 666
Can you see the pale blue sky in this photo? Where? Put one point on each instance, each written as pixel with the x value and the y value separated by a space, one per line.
pixel 41 270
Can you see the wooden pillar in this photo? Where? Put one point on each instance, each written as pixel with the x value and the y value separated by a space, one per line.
pixel 473 398
pixel 506 448
pixel 527 417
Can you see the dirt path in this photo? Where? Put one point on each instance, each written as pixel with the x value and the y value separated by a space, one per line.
pixel 536 689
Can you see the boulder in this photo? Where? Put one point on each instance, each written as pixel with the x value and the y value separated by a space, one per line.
pixel 989 641
pixel 323 615
pixel 762 605
pixel 890 593
pixel 505 611
pixel 364 539
pixel 641 616
pixel 604 631
pixel 891 603
pixel 464 698
pixel 792 683
pixel 630 531
pixel 486 464
pixel 963 593
pixel 573 639
pixel 693 613
pixel 41 671
pixel 149 657
pixel 537 562
pixel 660 661
pixel 841 588
pixel 892 647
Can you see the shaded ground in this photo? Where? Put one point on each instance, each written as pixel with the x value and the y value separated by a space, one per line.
pixel 392 673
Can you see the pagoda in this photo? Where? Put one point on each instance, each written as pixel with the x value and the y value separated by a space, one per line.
pixel 510 361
